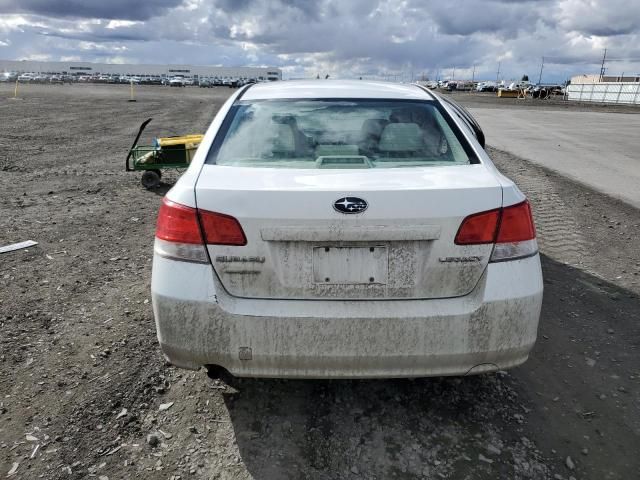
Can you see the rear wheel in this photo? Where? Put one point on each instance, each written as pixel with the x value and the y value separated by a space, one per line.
pixel 151 179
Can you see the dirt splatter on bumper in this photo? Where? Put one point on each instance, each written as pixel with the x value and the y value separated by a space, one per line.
pixel 492 328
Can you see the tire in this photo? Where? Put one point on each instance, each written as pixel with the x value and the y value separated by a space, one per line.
pixel 151 179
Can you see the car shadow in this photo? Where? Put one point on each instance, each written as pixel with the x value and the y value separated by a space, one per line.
pixel 162 189
pixel 370 429
pixel 488 426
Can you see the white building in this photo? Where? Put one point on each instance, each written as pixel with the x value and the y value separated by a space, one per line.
pixel 87 68
pixel 589 79
pixel 605 89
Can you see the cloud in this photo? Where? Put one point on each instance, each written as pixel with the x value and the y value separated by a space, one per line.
pixel 111 9
pixel 467 17
pixel 374 38
pixel 600 17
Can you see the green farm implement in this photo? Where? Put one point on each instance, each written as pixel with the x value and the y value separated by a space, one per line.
pixel 165 153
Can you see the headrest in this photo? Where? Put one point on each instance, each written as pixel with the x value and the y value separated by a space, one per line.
pixel 373 127
pixel 283 139
pixel 401 137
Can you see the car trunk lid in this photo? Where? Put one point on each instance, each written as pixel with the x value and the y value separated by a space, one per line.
pixel 300 246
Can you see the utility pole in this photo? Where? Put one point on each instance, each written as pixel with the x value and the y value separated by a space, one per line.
pixel 602 69
pixel 453 74
pixel 473 78
pixel 498 74
pixel 540 76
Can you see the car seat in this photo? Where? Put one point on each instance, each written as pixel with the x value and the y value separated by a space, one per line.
pixel 290 141
pixel 370 133
pixel 401 140
pixel 284 144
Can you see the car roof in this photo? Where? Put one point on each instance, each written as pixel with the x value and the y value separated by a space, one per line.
pixel 335 89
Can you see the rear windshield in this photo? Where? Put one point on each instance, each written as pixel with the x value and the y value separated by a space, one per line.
pixel 338 134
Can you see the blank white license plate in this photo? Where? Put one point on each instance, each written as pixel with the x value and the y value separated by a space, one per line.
pixel 350 265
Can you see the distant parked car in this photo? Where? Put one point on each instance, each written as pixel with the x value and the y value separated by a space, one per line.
pixel 8 77
pixel 177 82
pixel 544 91
pixel 487 87
pixel 26 77
pixel 521 85
pixel 345 229
pixel 40 78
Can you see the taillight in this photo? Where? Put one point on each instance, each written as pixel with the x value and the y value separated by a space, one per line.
pixel 178 223
pixel 516 234
pixel 220 229
pixel 510 228
pixel 478 228
pixel 179 232
pixel 516 224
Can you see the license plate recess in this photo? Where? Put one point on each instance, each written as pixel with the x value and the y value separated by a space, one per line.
pixel 350 265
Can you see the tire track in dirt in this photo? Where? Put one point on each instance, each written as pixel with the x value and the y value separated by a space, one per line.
pixel 559 234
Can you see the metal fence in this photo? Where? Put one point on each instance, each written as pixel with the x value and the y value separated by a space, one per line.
pixel 627 93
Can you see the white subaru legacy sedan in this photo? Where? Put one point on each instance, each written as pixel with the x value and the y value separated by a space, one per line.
pixel 352 229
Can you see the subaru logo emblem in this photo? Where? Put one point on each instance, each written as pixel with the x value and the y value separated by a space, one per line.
pixel 350 205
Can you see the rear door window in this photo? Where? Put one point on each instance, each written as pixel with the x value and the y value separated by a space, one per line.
pixel 339 133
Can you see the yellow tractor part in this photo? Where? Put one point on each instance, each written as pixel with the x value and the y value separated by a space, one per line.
pixel 181 148
pixel 182 140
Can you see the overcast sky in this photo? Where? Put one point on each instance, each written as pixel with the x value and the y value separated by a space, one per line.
pixel 344 38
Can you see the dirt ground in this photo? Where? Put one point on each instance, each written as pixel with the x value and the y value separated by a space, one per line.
pixel 85 392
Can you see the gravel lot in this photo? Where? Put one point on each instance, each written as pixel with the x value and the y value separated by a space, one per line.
pixel 85 391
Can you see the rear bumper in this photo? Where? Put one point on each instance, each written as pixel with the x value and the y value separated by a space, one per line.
pixel 492 328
